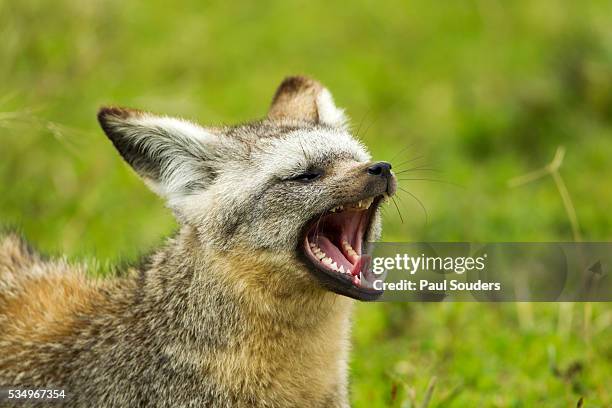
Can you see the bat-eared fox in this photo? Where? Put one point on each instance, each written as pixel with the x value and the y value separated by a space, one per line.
pixel 248 305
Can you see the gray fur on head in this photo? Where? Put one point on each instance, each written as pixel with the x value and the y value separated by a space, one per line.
pixel 234 184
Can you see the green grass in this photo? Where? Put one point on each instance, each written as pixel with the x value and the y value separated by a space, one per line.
pixel 483 90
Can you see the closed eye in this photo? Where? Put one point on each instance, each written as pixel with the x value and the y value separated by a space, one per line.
pixel 307 176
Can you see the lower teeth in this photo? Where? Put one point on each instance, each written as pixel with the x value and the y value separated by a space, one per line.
pixel 324 259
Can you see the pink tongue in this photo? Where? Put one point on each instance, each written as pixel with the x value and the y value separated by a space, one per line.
pixel 363 260
pixel 333 252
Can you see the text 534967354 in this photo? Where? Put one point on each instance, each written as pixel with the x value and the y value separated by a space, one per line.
pixel 32 394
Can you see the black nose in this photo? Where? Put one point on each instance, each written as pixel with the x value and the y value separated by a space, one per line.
pixel 382 169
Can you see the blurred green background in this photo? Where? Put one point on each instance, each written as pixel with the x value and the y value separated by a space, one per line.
pixel 478 91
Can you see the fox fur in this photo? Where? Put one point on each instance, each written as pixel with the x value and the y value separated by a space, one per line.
pixel 225 314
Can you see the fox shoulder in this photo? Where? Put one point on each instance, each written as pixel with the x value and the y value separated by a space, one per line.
pixel 39 298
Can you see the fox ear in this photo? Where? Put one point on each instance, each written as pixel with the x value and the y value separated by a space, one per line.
pixel 304 99
pixel 171 155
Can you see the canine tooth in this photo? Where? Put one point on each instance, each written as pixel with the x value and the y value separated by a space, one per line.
pixel 327 261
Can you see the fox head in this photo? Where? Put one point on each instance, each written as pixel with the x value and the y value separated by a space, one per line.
pixel 295 183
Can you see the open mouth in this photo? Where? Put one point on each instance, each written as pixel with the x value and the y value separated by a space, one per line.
pixel 335 243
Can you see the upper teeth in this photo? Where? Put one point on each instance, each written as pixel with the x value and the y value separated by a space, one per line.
pixel 361 204
pixel 365 203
